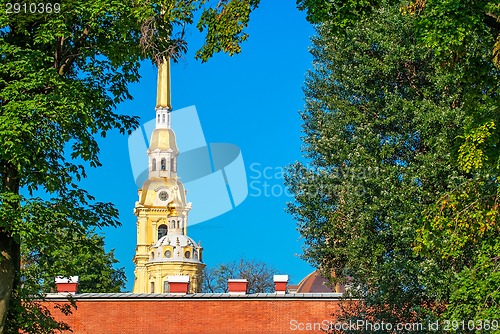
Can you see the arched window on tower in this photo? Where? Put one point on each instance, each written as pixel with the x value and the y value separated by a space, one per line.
pixel 163 118
pixel 163 164
pixel 153 165
pixel 162 231
pixel 158 119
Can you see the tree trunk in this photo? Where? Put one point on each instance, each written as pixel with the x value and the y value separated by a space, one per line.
pixel 9 265
pixel 10 247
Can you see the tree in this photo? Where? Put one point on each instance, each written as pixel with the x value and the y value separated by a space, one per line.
pixel 70 254
pixel 381 124
pixel 465 21
pixel 447 27
pixel 80 254
pixel 340 13
pixel 63 71
pixel 258 274
pixel 458 32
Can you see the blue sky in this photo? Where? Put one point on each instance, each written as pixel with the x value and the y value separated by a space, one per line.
pixel 250 100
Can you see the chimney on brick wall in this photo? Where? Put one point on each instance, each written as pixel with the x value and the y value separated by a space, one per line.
pixel 66 284
pixel 178 284
pixel 237 286
pixel 280 283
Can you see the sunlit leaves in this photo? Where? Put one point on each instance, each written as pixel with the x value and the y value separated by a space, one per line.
pixel 460 220
pixel 450 27
pixel 472 151
pixel 224 25
pixel 341 13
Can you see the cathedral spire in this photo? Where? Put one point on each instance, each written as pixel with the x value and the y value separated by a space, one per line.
pixel 163 95
pixel 163 247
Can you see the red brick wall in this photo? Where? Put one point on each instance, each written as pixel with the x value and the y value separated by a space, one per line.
pixel 264 316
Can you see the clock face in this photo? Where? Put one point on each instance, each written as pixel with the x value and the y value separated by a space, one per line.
pixel 163 195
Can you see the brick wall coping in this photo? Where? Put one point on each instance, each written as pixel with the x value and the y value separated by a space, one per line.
pixel 195 296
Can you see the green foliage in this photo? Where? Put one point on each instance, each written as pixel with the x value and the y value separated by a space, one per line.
pixel 472 152
pixel 71 254
pixel 61 252
pixel 459 221
pixel 384 124
pixel 258 274
pixel 62 76
pixel 450 27
pixel 163 27
pixel 340 13
pixel 447 27
pixel 358 200
pixel 224 25
pixel 317 10
pixel 475 294
pixel 462 34
pixel 461 234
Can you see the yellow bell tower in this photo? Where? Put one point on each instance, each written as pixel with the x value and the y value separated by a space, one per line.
pixel 163 247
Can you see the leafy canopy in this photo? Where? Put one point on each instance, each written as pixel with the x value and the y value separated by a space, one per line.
pixel 448 27
pixel 385 124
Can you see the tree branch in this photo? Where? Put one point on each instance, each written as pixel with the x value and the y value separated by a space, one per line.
pixel 66 66
pixel 492 21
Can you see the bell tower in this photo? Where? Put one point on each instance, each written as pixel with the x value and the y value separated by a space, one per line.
pixel 163 247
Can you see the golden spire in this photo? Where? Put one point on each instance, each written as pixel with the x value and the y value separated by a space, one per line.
pixel 163 97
